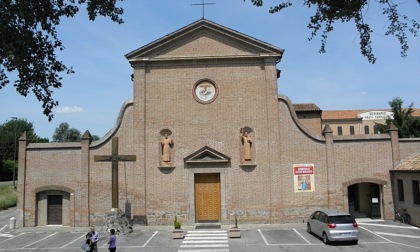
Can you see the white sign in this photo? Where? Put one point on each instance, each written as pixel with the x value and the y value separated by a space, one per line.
pixel 376 115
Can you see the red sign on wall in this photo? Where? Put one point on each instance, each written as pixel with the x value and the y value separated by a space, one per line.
pixel 304 178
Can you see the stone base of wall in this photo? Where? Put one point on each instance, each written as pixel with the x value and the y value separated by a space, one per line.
pixel 166 218
pixel 116 219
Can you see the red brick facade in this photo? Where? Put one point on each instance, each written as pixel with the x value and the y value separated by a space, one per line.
pixel 206 139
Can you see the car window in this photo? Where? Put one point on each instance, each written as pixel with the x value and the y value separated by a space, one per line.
pixel 316 216
pixel 341 219
pixel 322 217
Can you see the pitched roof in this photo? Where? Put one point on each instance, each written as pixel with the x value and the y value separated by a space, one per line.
pixel 307 107
pixel 200 25
pixel 410 164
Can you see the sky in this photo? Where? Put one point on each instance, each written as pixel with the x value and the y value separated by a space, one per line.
pixel 340 79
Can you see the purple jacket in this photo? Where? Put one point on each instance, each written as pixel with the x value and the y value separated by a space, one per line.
pixel 112 241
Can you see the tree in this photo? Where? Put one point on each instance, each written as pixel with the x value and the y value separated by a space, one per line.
pixel 408 126
pixel 29 42
pixel 10 131
pixel 12 128
pixel 330 11
pixel 63 133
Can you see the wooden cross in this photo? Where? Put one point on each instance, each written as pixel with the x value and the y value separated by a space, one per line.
pixel 203 4
pixel 114 158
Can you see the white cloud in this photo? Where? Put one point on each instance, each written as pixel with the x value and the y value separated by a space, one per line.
pixel 66 110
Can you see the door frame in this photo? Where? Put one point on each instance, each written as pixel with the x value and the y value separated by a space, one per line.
pixel 365 198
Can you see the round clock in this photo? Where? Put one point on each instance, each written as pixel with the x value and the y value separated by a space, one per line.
pixel 205 91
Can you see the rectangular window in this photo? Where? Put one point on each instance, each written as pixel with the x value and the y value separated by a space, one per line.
pixel 340 130
pixel 416 192
pixel 376 130
pixel 367 130
pixel 400 189
pixel 351 130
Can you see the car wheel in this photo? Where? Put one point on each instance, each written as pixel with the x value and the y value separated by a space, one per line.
pixel 308 228
pixel 407 219
pixel 325 238
pixel 355 242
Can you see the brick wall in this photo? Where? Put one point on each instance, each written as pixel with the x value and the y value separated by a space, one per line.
pixel 259 192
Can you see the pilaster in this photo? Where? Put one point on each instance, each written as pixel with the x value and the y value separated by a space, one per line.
pixel 395 145
pixel 82 209
pixel 23 143
pixel 329 152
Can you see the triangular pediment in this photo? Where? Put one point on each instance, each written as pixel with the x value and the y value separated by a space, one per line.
pixel 206 155
pixel 204 39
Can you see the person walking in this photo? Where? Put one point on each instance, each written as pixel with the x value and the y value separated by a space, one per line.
pixel 112 241
pixel 93 238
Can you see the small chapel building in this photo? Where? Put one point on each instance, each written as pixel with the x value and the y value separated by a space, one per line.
pixel 207 137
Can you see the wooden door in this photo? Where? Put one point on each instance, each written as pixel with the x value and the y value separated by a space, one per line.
pixel 207 197
pixel 55 210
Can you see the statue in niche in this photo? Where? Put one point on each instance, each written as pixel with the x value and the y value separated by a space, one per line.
pixel 247 144
pixel 166 144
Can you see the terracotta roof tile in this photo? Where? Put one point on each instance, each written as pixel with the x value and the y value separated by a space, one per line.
pixel 306 107
pixel 410 164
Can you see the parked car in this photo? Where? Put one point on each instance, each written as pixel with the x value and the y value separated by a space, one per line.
pixel 333 225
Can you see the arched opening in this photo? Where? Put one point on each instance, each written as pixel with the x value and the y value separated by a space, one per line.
pixel 364 200
pixel 53 206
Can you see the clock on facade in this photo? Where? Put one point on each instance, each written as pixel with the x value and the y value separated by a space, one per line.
pixel 205 91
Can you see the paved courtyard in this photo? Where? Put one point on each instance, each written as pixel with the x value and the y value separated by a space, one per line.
pixel 374 236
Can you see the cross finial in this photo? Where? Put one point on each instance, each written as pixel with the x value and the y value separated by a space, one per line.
pixel 203 4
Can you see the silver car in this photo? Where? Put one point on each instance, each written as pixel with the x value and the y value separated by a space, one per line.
pixel 333 225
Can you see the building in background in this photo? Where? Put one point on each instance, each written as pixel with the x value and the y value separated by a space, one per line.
pixel 405 180
pixel 357 122
pixel 343 122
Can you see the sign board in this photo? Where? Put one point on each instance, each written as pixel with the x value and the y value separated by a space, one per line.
pixel 304 178
pixel 376 115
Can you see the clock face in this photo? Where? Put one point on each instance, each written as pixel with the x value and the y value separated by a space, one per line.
pixel 205 91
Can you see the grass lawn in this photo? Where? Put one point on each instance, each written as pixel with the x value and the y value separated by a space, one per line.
pixel 8 197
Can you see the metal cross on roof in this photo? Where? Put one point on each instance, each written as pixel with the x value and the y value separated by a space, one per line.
pixel 203 4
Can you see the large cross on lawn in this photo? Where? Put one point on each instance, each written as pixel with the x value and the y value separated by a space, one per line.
pixel 114 158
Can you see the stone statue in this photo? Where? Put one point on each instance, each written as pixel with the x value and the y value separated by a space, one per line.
pixel 247 144
pixel 166 149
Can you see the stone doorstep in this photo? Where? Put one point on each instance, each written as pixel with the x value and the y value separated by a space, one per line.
pixel 208 225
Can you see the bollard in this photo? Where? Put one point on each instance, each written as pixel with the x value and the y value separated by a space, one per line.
pixel 12 224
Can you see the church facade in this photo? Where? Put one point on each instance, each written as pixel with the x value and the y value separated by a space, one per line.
pixel 207 137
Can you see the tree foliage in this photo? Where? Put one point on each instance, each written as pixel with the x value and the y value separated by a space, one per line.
pixel 408 126
pixel 330 11
pixel 29 42
pixel 10 132
pixel 63 133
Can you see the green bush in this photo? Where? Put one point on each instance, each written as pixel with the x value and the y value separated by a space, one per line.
pixel 177 223
pixel 6 170
pixel 8 197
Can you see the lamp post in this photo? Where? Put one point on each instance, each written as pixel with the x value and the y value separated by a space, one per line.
pixel 14 155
